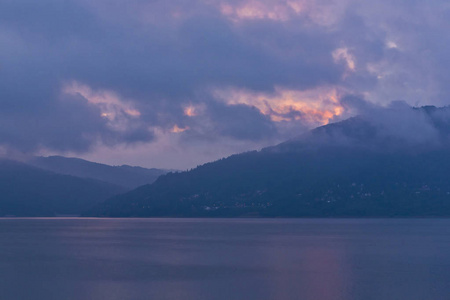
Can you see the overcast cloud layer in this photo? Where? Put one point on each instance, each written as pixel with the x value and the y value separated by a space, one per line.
pixel 178 83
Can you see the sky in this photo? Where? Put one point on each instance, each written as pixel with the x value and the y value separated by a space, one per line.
pixel 174 84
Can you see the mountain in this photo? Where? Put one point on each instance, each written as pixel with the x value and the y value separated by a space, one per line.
pixel 389 130
pixel 29 191
pixel 125 176
pixel 393 162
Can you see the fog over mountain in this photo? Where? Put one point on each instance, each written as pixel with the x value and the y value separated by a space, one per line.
pixel 395 127
pixel 385 162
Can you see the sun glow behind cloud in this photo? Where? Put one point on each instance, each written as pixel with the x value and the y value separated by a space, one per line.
pixel 312 107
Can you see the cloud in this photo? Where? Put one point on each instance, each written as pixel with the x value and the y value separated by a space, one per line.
pixel 313 107
pixel 402 123
pixel 79 76
pixel 396 126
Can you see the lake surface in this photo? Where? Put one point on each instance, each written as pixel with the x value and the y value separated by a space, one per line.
pixel 247 259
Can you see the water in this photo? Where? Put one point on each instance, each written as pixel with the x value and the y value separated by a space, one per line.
pixel 224 259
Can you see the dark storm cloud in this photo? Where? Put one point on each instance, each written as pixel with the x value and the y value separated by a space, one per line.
pixel 50 42
pixel 161 56
pixel 49 19
pixel 166 59
pixel 240 122
pixel 70 124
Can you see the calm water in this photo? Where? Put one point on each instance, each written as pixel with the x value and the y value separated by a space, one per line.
pixel 224 259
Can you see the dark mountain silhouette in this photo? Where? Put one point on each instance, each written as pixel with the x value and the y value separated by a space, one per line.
pixel 391 162
pixel 125 176
pixel 30 191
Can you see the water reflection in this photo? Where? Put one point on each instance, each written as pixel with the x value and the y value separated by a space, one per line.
pixel 224 259
pixel 316 270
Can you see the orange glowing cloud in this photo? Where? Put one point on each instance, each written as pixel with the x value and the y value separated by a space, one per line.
pixel 315 107
pixel 321 13
pixel 190 111
pixel 193 110
pixel 110 104
pixel 275 10
pixel 177 129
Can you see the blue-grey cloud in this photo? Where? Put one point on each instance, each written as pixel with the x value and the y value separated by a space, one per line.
pixel 157 58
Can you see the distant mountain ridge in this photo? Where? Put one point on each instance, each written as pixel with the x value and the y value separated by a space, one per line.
pixel 29 191
pixel 423 128
pixel 390 163
pixel 56 185
pixel 125 176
